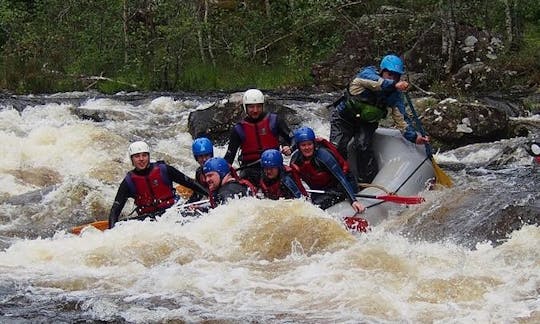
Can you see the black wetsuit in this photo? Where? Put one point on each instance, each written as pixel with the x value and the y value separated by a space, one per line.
pixel 124 192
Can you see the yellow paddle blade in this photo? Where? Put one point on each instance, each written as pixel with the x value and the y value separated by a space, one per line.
pixel 184 192
pixel 441 177
pixel 100 225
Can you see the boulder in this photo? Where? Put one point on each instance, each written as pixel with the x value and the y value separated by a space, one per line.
pixel 457 123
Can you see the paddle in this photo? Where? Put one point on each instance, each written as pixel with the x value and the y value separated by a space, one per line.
pixel 440 176
pixel 407 200
pixel 245 166
pixel 104 224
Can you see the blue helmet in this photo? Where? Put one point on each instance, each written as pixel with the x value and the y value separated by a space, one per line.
pixel 392 63
pixel 271 159
pixel 202 146
pixel 303 134
pixel 218 165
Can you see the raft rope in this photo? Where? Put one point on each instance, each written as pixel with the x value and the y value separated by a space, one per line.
pixel 394 192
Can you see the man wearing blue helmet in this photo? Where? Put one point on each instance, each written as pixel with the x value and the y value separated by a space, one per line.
pixel 278 180
pixel 321 166
pixel 203 150
pixel 224 183
pixel 367 100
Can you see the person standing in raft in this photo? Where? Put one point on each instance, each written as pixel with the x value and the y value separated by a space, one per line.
pixel 257 132
pixel 366 101
pixel 321 166
pixel 279 181
pixel 224 183
pixel 150 185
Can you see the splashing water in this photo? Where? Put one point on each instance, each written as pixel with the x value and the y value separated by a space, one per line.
pixel 251 260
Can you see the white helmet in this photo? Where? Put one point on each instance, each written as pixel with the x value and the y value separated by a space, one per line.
pixel 252 96
pixel 138 147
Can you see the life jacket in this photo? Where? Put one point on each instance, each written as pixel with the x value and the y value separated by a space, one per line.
pixel 257 137
pixel 252 190
pixel 333 149
pixel 326 169
pixel 365 106
pixel 288 186
pixel 200 177
pixel 152 192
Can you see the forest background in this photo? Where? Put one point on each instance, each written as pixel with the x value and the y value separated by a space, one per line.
pixel 203 45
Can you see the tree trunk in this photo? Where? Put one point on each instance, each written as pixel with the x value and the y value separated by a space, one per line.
pixel 203 6
pixel 125 15
pixel 513 33
pixel 267 8
pixel 448 32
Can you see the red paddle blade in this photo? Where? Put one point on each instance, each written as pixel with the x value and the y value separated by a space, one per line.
pixel 356 223
pixel 409 200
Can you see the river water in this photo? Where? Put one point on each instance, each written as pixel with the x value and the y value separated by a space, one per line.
pixel 469 254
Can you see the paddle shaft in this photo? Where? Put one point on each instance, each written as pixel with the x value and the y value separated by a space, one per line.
pixel 419 125
pixel 104 224
pixel 245 166
pixel 409 200
pixel 440 176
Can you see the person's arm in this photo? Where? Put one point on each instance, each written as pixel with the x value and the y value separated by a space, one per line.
pixel 182 179
pixel 284 131
pixel 234 144
pixel 369 78
pixel 403 121
pixel 284 134
pixel 122 195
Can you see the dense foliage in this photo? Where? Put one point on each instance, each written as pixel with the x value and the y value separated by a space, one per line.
pixel 65 45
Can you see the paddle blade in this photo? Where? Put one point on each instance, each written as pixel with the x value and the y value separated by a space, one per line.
pixel 100 225
pixel 184 192
pixel 441 177
pixel 357 224
pixel 407 200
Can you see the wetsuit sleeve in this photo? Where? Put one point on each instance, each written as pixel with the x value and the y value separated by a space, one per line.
pixel 330 162
pixel 284 131
pixel 401 119
pixel 176 176
pixel 120 200
pixel 234 144
pixel 368 78
pixel 298 180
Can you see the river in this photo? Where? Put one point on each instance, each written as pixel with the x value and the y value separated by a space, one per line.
pixel 468 254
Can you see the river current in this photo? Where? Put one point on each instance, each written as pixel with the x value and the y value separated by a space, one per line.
pixel 468 254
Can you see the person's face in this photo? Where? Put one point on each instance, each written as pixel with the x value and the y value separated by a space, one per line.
pixel 203 158
pixel 307 148
pixel 140 160
pixel 271 173
pixel 213 180
pixel 391 75
pixel 254 110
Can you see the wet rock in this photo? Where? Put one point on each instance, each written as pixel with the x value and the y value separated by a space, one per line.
pixel 217 120
pixel 459 123
pixel 31 197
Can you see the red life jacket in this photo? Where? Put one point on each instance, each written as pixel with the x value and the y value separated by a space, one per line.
pixel 257 137
pixel 278 189
pixel 333 149
pixel 314 173
pixel 152 192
